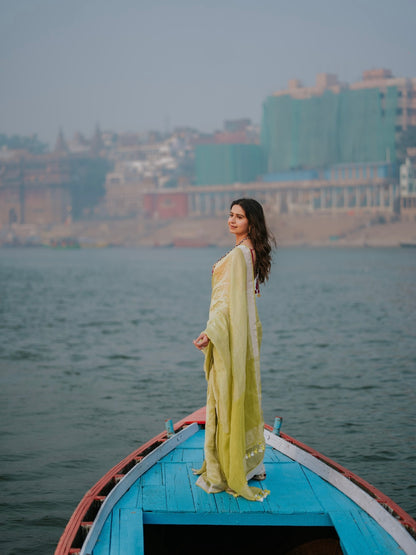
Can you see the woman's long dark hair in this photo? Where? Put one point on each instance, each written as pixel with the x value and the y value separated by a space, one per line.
pixel 259 234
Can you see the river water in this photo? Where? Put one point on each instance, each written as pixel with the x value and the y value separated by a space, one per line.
pixel 96 352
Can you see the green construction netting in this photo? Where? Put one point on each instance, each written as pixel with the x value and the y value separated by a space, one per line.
pixel 349 127
pixel 222 164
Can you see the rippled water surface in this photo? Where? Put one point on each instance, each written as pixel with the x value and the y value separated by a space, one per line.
pixel 96 352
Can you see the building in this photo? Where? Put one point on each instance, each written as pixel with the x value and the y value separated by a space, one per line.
pixel 408 188
pixel 349 189
pixel 34 189
pixel 232 155
pixel 222 163
pixel 336 123
pixel 50 188
pixel 124 188
pixel 155 164
pixel 165 205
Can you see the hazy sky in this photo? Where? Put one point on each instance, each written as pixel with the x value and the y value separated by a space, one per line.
pixel 134 65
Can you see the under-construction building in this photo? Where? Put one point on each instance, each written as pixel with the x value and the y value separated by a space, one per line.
pixel 336 123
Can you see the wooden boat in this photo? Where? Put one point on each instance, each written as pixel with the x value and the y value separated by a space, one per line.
pixel 409 245
pixel 149 503
pixel 65 243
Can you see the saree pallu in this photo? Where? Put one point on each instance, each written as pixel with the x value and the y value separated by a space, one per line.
pixel 234 438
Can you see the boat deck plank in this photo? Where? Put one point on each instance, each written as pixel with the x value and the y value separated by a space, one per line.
pixel 330 498
pixel 290 489
pixel 151 499
pixel 273 456
pixel 153 477
pixel 203 503
pixel 195 442
pixel 226 504
pixel 359 534
pixel 130 498
pixel 103 545
pixel 194 456
pixel 177 488
pixel 131 537
pixel 115 534
pixel 370 529
pixel 353 542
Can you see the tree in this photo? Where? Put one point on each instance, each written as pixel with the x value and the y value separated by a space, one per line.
pixel 17 142
pixel 87 187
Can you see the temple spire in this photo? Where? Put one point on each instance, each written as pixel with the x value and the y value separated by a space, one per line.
pixel 60 145
pixel 97 144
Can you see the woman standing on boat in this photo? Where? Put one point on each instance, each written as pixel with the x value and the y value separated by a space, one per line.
pixel 234 441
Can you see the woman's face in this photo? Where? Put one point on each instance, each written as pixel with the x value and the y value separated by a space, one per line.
pixel 237 221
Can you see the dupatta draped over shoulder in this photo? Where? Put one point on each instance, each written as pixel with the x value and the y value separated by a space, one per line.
pixel 234 439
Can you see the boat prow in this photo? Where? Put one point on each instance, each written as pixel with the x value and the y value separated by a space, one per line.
pixel 149 503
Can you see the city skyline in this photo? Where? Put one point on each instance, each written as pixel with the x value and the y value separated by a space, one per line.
pixel 140 65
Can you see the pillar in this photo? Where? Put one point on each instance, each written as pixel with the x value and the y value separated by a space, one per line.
pixel 323 199
pixel 381 196
pixel 197 203
pixel 218 203
pixel 334 197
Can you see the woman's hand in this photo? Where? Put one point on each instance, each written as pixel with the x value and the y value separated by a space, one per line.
pixel 201 341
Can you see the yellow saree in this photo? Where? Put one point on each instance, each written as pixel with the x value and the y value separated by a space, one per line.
pixel 234 440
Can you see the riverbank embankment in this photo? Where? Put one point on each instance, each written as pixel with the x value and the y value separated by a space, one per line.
pixel 347 230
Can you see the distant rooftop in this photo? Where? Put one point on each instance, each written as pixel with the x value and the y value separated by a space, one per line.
pixel 371 78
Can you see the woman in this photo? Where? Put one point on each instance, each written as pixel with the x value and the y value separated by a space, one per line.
pixel 234 440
